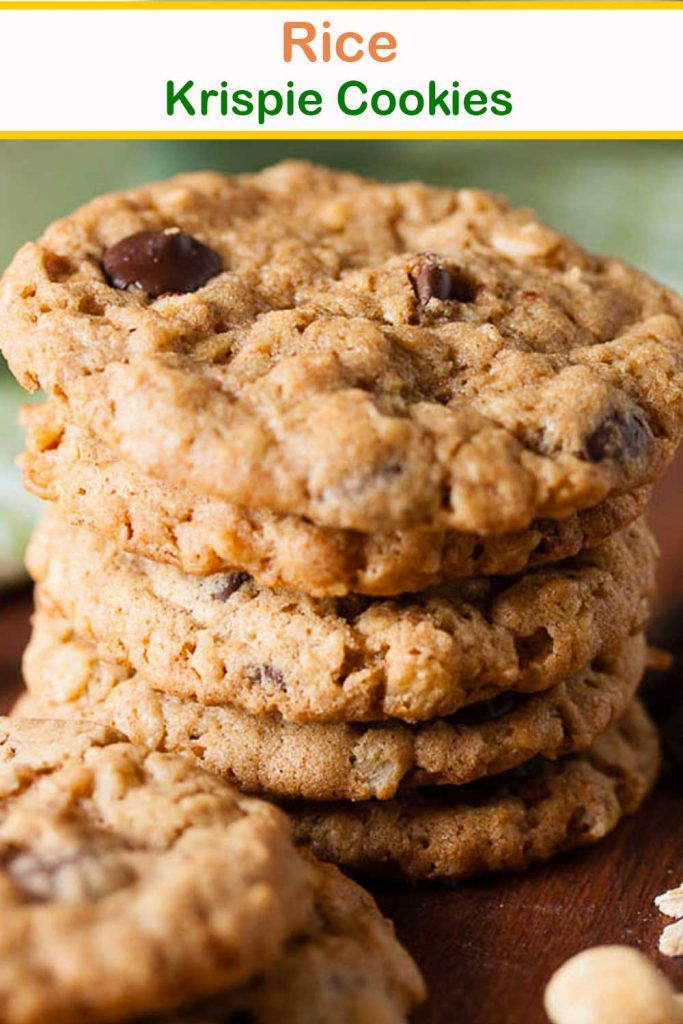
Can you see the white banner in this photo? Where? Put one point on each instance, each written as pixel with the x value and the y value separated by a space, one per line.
pixel 305 70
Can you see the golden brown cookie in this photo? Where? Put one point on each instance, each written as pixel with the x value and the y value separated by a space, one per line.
pixel 504 823
pixel 332 760
pixel 371 356
pixel 200 534
pixel 346 968
pixel 132 882
pixel 224 639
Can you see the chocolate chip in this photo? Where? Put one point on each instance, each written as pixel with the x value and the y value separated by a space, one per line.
pixel 619 436
pixel 158 262
pixel 431 279
pixel 260 675
pixel 232 583
pixel 274 676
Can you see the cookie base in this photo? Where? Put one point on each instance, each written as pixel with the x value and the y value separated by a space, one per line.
pixel 502 825
pixel 328 761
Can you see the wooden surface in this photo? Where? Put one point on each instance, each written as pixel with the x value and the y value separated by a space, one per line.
pixel 488 946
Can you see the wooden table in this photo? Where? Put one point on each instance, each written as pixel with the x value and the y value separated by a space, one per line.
pixel 488 946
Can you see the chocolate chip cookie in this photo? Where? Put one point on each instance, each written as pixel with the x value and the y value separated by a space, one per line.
pixel 370 356
pixel 501 824
pixel 132 882
pixel 347 968
pixel 328 761
pixel 226 640
pixel 200 534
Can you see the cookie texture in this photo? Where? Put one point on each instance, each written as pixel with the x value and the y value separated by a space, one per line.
pixel 328 761
pixel 371 356
pixel 226 640
pixel 131 881
pixel 505 823
pixel 347 968
pixel 201 534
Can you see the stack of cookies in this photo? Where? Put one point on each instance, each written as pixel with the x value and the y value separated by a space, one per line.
pixel 346 483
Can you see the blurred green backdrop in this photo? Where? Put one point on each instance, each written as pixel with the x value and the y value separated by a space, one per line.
pixel 621 197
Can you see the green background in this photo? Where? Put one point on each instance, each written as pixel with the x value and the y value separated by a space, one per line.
pixel 620 197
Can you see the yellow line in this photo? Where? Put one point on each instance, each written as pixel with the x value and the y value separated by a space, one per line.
pixel 399 5
pixel 339 5
pixel 104 135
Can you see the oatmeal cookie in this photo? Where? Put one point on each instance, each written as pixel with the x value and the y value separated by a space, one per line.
pixel 201 534
pixel 331 760
pixel 371 356
pixel 224 639
pixel 347 968
pixel 504 823
pixel 132 881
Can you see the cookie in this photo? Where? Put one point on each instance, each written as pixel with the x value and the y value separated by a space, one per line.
pixel 226 640
pixel 370 356
pixel 131 881
pixel 334 760
pixel 501 824
pixel 201 534
pixel 348 968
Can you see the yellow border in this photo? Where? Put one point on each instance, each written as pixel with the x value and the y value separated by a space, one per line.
pixel 623 135
pixel 337 5
pixel 340 5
